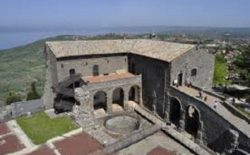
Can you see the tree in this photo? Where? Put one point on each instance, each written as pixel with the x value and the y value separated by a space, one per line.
pixel 12 97
pixel 32 93
pixel 243 62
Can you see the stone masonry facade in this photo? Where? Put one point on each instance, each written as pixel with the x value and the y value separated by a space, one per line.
pixel 156 69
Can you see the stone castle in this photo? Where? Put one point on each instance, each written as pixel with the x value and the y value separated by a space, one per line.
pixel 172 81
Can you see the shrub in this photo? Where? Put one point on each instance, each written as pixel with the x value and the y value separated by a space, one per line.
pixel 32 93
pixel 13 97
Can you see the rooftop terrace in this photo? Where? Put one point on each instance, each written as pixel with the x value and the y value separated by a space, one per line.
pixel 109 77
pixel 161 50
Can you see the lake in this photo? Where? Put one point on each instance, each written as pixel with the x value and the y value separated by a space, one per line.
pixel 10 39
pixel 14 39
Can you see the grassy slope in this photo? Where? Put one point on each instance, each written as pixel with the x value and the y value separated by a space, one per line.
pixel 22 65
pixel 220 70
pixel 41 128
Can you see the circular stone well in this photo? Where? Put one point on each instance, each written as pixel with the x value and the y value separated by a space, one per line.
pixel 122 124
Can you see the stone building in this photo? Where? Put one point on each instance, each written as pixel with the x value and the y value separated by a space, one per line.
pixel 123 67
pixel 171 80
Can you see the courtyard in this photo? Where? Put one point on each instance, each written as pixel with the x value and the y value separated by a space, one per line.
pixel 40 127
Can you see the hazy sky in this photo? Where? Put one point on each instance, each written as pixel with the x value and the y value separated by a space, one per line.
pixel 232 13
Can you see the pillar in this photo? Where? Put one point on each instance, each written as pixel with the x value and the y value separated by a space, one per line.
pixel 109 101
pixel 182 121
pixel 167 111
pixel 140 96
pixel 126 99
pixel 199 138
pixel 90 103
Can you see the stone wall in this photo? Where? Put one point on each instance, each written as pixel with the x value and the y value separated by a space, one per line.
pixel 212 124
pixel 51 78
pixel 155 81
pixel 84 65
pixel 200 60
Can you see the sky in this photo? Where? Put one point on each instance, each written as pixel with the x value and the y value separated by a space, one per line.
pixel 117 13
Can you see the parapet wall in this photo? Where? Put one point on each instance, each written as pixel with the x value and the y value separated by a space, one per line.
pixel 214 124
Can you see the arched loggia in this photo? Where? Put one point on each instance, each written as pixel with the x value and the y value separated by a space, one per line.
pixel 118 97
pixel 100 100
pixel 134 94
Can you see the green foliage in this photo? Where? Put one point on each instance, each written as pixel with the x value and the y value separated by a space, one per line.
pixel 220 71
pixel 40 127
pixel 32 93
pixel 243 63
pixel 248 99
pixel 240 61
pixel 13 97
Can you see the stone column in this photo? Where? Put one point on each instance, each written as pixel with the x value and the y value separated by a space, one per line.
pixel 199 138
pixel 90 103
pixel 140 96
pixel 109 101
pixel 167 111
pixel 182 121
pixel 125 99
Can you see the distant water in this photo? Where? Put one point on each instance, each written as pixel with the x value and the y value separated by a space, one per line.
pixel 14 39
pixel 10 39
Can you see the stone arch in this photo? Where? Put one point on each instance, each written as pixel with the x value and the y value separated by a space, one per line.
pixel 175 111
pixel 118 96
pixel 192 120
pixel 134 94
pixel 100 100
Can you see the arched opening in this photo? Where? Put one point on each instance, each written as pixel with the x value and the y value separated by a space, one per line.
pixel 192 120
pixel 100 100
pixel 194 72
pixel 95 70
pixel 175 111
pixel 72 71
pixel 180 79
pixel 118 97
pixel 134 94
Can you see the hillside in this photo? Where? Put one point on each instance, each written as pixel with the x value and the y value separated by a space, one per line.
pixel 22 65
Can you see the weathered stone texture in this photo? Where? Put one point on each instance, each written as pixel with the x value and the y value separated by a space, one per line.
pixel 155 80
pixel 194 59
pixel 108 64
pixel 226 143
pixel 214 125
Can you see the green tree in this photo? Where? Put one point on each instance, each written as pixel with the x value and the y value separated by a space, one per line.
pixel 32 93
pixel 243 62
pixel 12 97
